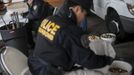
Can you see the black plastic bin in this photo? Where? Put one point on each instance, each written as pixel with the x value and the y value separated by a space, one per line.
pixel 15 37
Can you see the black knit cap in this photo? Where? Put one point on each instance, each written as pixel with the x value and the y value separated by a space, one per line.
pixel 83 3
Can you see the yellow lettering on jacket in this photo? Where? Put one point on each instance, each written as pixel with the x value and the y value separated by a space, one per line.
pixel 44 22
pixel 55 28
pixel 48 29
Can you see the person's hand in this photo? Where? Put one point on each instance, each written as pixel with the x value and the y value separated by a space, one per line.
pixel 30 2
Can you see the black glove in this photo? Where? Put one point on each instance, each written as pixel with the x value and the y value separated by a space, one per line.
pixel 109 60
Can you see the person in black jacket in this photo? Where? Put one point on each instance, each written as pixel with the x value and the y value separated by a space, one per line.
pixel 59 48
pixel 38 10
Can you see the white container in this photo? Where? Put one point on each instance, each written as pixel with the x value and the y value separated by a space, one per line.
pixel 123 65
pixel 108 37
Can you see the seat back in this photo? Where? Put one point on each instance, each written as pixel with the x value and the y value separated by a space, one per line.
pixel 14 62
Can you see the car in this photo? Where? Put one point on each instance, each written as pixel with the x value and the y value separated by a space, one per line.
pixel 118 14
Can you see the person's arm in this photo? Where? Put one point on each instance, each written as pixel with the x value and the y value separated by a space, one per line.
pixel 39 10
pixel 36 8
pixel 80 55
pixel 29 3
pixel 33 12
pixel 88 58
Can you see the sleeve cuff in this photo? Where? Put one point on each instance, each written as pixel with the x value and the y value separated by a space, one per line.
pixel 109 60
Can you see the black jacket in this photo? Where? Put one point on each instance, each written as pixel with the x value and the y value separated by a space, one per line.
pixel 58 43
pixel 39 10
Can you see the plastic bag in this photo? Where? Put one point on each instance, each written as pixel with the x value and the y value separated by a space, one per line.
pixel 101 47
